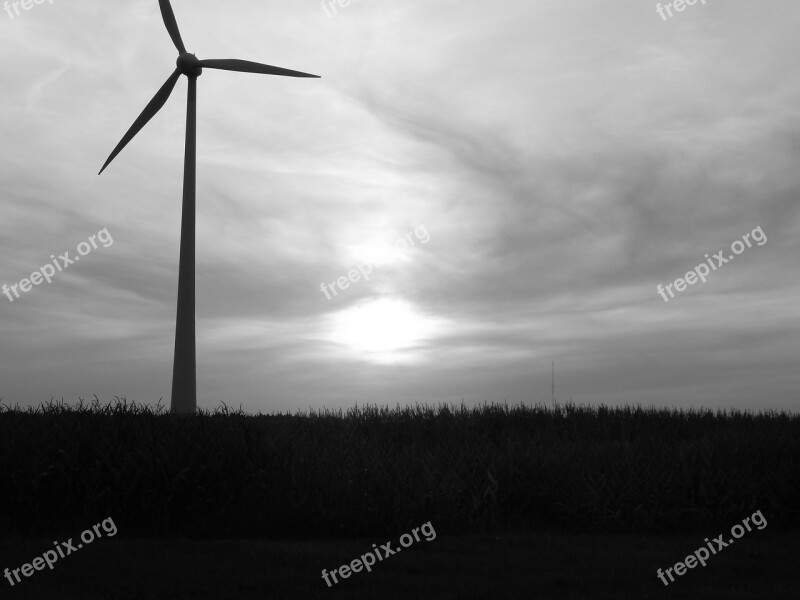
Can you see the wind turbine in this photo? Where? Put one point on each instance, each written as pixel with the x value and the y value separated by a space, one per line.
pixel 184 368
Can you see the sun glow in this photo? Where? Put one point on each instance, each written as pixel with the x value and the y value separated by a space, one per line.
pixel 376 253
pixel 382 330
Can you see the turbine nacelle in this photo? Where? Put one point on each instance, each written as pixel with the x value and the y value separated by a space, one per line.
pixel 189 65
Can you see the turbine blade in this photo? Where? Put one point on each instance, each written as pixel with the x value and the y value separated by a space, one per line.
pixel 246 66
pixel 149 111
pixel 172 25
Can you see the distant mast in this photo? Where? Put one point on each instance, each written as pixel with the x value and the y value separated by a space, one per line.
pixel 553 382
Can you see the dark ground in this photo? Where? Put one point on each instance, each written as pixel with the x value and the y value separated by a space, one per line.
pixel 760 566
pixel 229 505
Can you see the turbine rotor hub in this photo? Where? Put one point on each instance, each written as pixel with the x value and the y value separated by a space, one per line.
pixel 188 64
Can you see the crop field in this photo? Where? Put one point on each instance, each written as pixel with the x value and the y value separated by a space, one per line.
pixel 525 501
pixel 370 470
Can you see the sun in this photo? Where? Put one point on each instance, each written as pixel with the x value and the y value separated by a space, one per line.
pixel 385 330
pixel 377 253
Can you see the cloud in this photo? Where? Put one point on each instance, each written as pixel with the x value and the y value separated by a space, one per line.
pixel 565 157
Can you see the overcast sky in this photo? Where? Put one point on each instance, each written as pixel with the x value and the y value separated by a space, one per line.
pixel 548 164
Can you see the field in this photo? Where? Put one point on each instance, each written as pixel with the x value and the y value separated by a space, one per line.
pixel 523 500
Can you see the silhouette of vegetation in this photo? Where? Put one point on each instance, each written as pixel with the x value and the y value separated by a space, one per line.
pixel 371 471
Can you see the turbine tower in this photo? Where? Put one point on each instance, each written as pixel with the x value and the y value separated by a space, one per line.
pixel 184 369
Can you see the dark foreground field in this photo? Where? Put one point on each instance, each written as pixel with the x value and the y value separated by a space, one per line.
pixel 760 566
pixel 526 502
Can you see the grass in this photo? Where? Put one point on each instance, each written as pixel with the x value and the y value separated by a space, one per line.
pixel 371 470
pixel 574 502
pixel 515 566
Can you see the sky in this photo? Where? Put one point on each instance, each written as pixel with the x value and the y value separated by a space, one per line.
pixel 467 195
